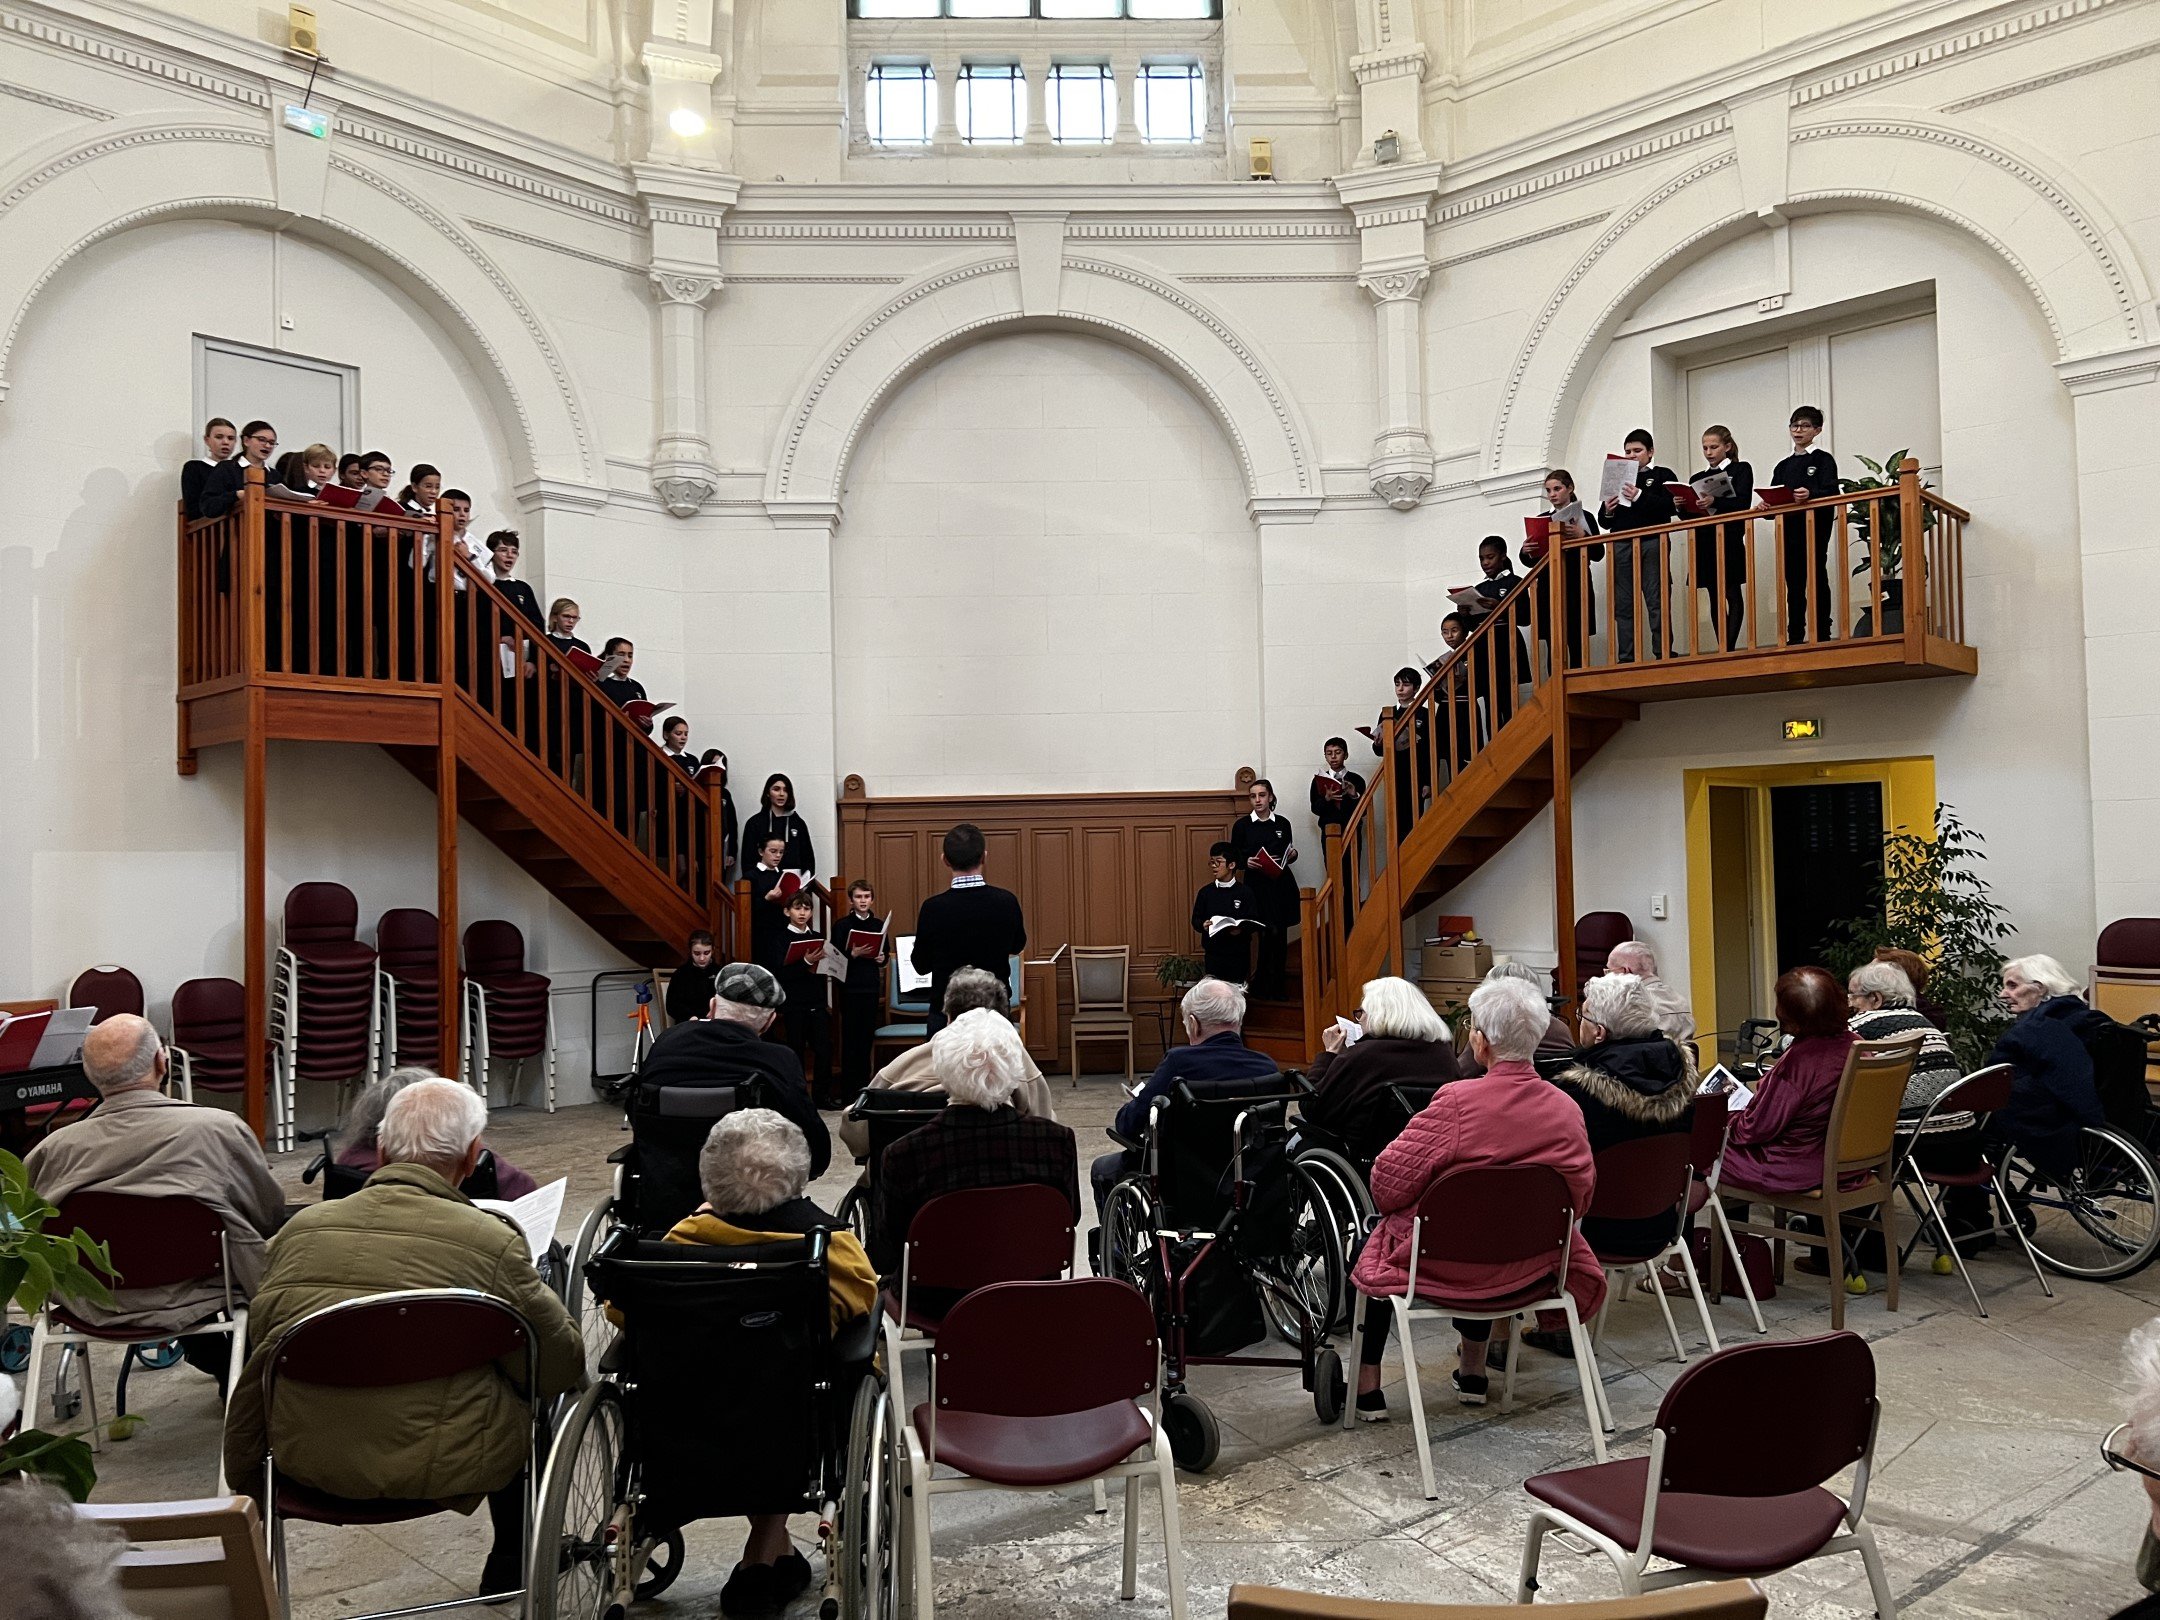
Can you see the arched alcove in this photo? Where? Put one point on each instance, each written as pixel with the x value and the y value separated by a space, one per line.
pixel 1046 579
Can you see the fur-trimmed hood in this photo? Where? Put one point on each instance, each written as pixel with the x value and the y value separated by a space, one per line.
pixel 1648 1079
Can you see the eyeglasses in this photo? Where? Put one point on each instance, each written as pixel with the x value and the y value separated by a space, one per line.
pixel 2120 1460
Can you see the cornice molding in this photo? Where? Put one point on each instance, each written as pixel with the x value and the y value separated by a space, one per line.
pixel 1945 49
pixel 45 98
pixel 133 59
pixel 741 230
pixel 2076 70
pixel 1282 276
pixel 560 495
pixel 1527 239
pixel 474 166
pixel 1208 231
pixel 630 266
pixel 2137 366
pixel 1619 157
pixel 121 140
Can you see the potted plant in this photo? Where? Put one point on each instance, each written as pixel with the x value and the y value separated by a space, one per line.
pixel 35 1264
pixel 1178 974
pixel 1862 517
pixel 1932 901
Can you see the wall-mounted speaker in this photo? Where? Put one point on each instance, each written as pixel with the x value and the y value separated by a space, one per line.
pixel 300 32
pixel 1262 159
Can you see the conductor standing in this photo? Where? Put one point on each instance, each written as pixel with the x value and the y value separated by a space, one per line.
pixel 972 924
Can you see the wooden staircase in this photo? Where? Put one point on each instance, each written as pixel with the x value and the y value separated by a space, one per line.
pixel 1502 727
pixel 304 622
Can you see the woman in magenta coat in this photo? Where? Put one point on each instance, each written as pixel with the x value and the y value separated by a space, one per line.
pixel 1510 1115
pixel 1776 1144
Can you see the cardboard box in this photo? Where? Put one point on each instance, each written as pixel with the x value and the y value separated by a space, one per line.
pixel 1469 960
pixel 1448 996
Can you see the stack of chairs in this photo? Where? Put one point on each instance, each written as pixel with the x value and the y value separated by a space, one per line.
pixel 507 1011
pixel 409 986
pixel 209 1043
pixel 323 1009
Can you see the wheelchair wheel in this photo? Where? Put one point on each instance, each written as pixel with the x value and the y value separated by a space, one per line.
pixel 581 1542
pixel 1350 1208
pixel 1195 1440
pixel 1329 1391
pixel 2104 1221
pixel 589 1314
pixel 854 1213
pixel 1313 1270
pixel 15 1348
pixel 866 1538
pixel 1128 1237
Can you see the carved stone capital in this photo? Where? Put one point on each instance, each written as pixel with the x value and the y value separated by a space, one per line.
pixel 1392 62
pixel 1388 286
pixel 673 287
pixel 1402 467
pixel 683 495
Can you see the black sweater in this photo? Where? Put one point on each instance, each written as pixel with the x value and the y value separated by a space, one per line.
pixel 976 926
pixel 1351 1100
pixel 690 991
pixel 763 824
pixel 1226 955
pixel 710 1052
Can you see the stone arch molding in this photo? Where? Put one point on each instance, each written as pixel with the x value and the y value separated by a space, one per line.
pixel 968 302
pixel 2078 268
pixel 76 191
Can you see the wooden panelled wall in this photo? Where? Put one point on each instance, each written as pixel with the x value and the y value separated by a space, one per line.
pixel 1090 869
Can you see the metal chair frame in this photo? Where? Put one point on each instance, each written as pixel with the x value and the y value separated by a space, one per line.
pixel 2002 1218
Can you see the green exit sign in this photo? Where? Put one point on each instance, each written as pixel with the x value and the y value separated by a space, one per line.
pixel 307 121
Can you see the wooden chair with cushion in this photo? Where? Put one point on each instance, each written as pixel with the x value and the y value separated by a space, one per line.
pixel 195 1560
pixel 2126 981
pixel 1727 1600
pixel 1861 1143
pixel 1102 1000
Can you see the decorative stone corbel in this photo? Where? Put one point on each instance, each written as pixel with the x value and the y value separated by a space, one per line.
pixel 1391 204
pixel 686 211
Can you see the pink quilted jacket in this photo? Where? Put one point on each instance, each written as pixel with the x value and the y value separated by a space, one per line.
pixel 1511 1115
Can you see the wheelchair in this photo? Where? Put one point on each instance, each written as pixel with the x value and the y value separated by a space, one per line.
pixel 1218 1188
pixel 890 1115
pixel 726 1394
pixel 1342 1182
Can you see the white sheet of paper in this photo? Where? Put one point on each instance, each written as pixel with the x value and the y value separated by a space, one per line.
pixel 536 1214
pixel 1620 474
pixel 833 963
pixel 1352 1032
pixel 1722 1080
pixel 904 965
pixel 1712 486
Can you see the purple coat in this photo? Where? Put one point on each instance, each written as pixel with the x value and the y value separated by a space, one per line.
pixel 1777 1142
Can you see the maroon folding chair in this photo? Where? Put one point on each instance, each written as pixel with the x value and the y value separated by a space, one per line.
pixel 209 1036
pixel 1490 1215
pixel 325 1017
pixel 1038 1386
pixel 1637 1181
pixel 384 1341
pixel 961 1241
pixel 407 977
pixel 153 1243
pixel 508 1012
pixel 110 989
pixel 1712 1123
pixel 1735 1481
pixel 1981 1093
pixel 1596 933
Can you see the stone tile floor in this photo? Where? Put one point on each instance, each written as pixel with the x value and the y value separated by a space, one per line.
pixel 1989 1495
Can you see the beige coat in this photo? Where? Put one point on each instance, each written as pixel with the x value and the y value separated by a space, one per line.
pixel 150 1145
pixel 911 1071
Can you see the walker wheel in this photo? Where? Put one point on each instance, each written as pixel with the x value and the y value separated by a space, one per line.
pixel 1328 1388
pixel 1195 1439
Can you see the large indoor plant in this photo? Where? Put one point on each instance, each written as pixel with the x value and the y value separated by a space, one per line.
pixel 1930 899
pixel 1884 536
pixel 35 1264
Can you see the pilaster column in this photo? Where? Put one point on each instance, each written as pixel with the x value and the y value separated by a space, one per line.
pixel 1390 204
pixel 686 211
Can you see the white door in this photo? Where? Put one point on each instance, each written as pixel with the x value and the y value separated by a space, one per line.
pixel 308 401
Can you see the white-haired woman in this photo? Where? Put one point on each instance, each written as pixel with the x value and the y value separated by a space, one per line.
pixel 981 1140
pixel 2134 1447
pixel 359 1147
pixel 753 1169
pixel 1507 1116
pixel 1404 1042
pixel 1557 1041
pixel 2055 1093
pixel 1883 1008
pixel 1630 1082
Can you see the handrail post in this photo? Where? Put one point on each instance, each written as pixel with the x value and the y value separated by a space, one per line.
pixel 715 873
pixel 449 1024
pixel 1563 820
pixel 741 939
pixel 187 651
pixel 250 542
pixel 1309 962
pixel 1912 550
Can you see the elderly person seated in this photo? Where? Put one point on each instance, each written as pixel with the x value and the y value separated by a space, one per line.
pixel 981 1139
pixel 1404 1042
pixel 359 1149
pixel 1883 1007
pixel 146 1144
pixel 1675 1019
pixel 1214 1061
pixel 451 1440
pixel 1558 1041
pixel 916 1069
pixel 1630 1081
pixel 2054 1089
pixel 727 1047
pixel 753 1169
pixel 1507 1115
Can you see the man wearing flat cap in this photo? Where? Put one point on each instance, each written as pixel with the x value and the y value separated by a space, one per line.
pixel 727 1047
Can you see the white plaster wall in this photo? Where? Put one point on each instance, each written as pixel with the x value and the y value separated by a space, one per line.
pixel 2003 756
pixel 111 856
pixel 1045 580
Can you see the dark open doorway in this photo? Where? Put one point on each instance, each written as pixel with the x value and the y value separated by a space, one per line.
pixel 1826 842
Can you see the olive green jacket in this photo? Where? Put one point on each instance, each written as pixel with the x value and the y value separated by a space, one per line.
pixel 449 1439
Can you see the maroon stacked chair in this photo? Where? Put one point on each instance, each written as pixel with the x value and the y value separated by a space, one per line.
pixel 110 989
pixel 407 968
pixel 1596 933
pixel 323 1008
pixel 506 1013
pixel 209 1040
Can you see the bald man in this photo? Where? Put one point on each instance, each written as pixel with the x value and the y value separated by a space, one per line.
pixel 142 1142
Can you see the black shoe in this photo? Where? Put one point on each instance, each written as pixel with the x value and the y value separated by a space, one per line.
pixel 1372 1407
pixel 791 1571
pixel 753 1589
pixel 1095 1250
pixel 502 1573
pixel 1559 1344
pixel 1469 1387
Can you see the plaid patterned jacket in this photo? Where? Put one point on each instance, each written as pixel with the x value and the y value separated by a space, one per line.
pixel 966 1147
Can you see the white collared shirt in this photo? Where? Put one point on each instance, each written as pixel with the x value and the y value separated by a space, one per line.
pixel 969 880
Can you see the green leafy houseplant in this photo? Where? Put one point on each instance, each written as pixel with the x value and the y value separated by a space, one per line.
pixel 1863 517
pixel 1931 900
pixel 1176 972
pixel 34 1265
